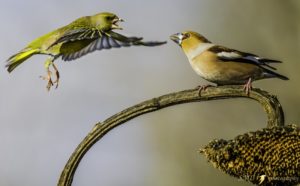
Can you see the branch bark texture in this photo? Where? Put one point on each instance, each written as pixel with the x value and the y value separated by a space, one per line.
pixel 269 103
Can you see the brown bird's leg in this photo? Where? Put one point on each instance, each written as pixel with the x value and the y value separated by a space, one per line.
pixel 248 86
pixel 57 75
pixel 202 88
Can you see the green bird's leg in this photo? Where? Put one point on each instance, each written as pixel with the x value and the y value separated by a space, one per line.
pixel 48 63
pixel 56 75
pixel 48 76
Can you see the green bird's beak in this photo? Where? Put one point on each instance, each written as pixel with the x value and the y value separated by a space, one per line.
pixel 115 23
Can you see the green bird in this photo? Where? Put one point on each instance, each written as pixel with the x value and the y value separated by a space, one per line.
pixel 80 37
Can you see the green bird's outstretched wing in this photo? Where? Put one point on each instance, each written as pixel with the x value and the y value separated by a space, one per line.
pixel 107 41
pixel 77 35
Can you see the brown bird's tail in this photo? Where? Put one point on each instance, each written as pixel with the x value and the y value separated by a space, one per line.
pixel 271 74
pixel 19 58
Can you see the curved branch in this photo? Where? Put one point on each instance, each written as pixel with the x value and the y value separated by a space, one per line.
pixel 269 102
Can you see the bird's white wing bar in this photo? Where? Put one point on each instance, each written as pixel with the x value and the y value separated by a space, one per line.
pixel 244 58
pixel 235 55
pixel 229 55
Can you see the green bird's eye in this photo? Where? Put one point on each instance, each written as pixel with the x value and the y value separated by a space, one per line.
pixel 109 18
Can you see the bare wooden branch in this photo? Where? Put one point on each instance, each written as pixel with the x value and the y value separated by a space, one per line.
pixel 269 102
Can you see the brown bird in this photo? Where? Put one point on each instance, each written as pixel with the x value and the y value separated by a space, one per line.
pixel 224 66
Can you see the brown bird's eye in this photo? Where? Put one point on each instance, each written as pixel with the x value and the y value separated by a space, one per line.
pixel 187 35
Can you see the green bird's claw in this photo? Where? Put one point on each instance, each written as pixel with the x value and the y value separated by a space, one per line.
pixel 49 85
pixel 48 78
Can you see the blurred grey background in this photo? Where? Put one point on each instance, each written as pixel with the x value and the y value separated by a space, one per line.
pixel 40 130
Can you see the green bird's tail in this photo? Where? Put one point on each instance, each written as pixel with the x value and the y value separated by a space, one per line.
pixel 19 58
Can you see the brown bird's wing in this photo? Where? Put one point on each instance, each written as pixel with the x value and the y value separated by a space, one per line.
pixel 107 41
pixel 227 54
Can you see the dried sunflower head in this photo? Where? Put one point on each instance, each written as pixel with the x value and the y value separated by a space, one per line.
pixel 269 156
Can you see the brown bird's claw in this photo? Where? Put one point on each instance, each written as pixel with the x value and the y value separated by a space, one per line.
pixel 202 88
pixel 248 86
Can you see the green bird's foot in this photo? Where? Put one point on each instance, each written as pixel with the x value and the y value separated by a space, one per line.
pixel 48 79
pixel 57 75
pixel 50 83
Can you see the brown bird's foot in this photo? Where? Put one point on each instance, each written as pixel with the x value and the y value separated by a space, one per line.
pixel 57 75
pixel 202 88
pixel 48 79
pixel 248 86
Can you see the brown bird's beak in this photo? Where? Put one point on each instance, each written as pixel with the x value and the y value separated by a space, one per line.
pixel 177 38
pixel 115 23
